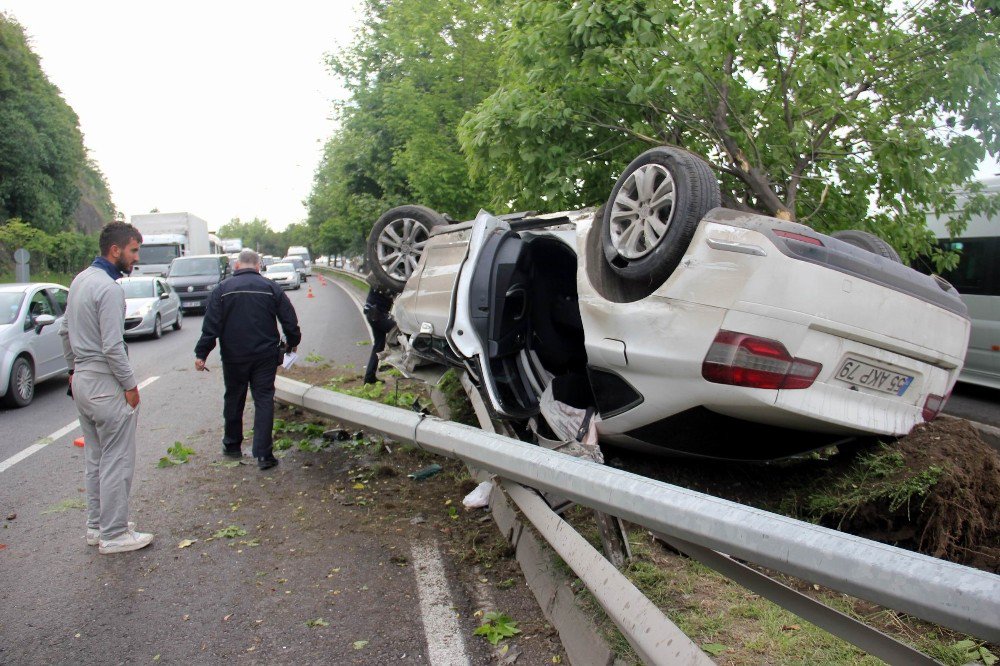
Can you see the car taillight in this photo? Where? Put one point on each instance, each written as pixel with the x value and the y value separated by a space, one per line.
pixel 933 406
pixel 738 359
pixel 799 237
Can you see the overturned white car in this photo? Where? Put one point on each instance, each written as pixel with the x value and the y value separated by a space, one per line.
pixel 662 310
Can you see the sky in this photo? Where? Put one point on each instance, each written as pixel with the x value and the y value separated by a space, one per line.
pixel 218 108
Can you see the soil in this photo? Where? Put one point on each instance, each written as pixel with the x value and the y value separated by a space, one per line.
pixel 954 519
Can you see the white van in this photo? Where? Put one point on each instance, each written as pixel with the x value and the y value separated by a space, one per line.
pixel 300 251
pixel 977 279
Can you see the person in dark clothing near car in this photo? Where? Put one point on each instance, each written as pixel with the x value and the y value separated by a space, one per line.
pixel 242 314
pixel 377 307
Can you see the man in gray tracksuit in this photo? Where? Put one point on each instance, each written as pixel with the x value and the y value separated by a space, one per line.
pixel 104 388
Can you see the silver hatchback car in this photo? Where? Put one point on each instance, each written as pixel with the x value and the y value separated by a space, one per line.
pixel 150 305
pixel 30 348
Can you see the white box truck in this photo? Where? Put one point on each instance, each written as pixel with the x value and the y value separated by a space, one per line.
pixel 166 236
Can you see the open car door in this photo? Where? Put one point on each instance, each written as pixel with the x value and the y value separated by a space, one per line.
pixel 490 323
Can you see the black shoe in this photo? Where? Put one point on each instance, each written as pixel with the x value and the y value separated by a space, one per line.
pixel 370 380
pixel 232 454
pixel 267 463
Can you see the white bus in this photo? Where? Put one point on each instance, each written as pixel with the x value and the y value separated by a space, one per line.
pixel 977 279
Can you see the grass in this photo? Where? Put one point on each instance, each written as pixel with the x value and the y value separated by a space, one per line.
pixel 876 477
pixel 737 626
pixel 355 282
pixel 42 276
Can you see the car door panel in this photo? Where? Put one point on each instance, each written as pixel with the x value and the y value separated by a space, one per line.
pixel 491 323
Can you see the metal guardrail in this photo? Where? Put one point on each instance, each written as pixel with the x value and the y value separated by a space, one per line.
pixel 955 596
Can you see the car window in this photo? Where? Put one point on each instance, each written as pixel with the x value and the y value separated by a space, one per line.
pixel 10 305
pixel 59 297
pixel 137 288
pixel 187 267
pixel 40 304
pixel 159 289
pixel 166 287
pixel 280 268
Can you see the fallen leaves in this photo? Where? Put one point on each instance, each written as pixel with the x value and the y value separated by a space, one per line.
pixel 187 543
pixel 318 622
pixel 714 649
pixel 360 645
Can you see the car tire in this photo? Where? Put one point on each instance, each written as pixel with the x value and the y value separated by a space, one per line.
pixel 867 241
pixel 157 328
pixel 179 321
pixel 21 387
pixel 396 243
pixel 644 233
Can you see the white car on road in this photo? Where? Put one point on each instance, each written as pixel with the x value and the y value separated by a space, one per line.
pixel 285 275
pixel 30 346
pixel 662 311
pixel 150 306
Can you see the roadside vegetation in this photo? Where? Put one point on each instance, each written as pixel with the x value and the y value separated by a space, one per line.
pixel 838 116
pixel 53 196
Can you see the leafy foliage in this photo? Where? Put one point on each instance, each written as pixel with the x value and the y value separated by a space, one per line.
pixel 497 626
pixel 230 532
pixel 413 70
pixel 44 168
pixel 838 115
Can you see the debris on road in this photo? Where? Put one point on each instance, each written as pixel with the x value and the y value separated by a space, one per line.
pixel 426 472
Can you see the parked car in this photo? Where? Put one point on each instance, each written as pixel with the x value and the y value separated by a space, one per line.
pixel 267 260
pixel 285 275
pixel 304 269
pixel 194 277
pixel 30 346
pixel 150 304
pixel 661 309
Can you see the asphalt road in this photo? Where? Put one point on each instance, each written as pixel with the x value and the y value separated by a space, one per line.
pixel 976 403
pixel 61 602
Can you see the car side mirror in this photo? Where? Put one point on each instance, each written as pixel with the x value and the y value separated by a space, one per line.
pixel 43 320
pixel 164 296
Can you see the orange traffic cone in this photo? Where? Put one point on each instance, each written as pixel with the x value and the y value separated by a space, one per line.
pixel 309 294
pixel 78 442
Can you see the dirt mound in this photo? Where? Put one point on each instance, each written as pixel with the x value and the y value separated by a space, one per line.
pixel 936 491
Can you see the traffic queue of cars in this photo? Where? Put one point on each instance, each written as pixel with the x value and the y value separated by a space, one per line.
pixel 31 314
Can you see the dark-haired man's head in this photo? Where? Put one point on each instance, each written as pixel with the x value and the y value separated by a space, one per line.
pixel 120 245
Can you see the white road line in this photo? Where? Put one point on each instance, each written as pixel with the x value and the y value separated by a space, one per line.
pixel 146 382
pixel 445 642
pixel 58 434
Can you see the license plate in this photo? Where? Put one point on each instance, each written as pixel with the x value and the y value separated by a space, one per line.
pixel 870 376
pixel 191 304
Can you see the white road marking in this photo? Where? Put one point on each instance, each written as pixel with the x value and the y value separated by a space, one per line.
pixel 146 382
pixel 58 434
pixel 445 642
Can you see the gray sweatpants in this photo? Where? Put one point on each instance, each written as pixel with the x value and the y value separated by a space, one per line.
pixel 108 425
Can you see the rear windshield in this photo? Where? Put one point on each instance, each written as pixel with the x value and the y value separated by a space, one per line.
pixel 194 266
pixel 295 260
pixel 158 254
pixel 10 304
pixel 138 288
pixel 280 268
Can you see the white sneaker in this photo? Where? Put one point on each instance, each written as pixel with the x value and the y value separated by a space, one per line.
pixel 130 540
pixel 94 535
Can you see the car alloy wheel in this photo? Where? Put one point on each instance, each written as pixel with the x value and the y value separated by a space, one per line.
pixel 399 247
pixel 21 389
pixel 642 211
pixel 396 243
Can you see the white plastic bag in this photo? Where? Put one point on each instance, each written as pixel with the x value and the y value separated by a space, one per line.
pixel 479 497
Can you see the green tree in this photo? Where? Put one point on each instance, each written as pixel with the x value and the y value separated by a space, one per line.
pixel 415 67
pixel 43 163
pixel 836 114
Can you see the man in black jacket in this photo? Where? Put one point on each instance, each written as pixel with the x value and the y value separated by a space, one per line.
pixel 241 314
pixel 377 308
